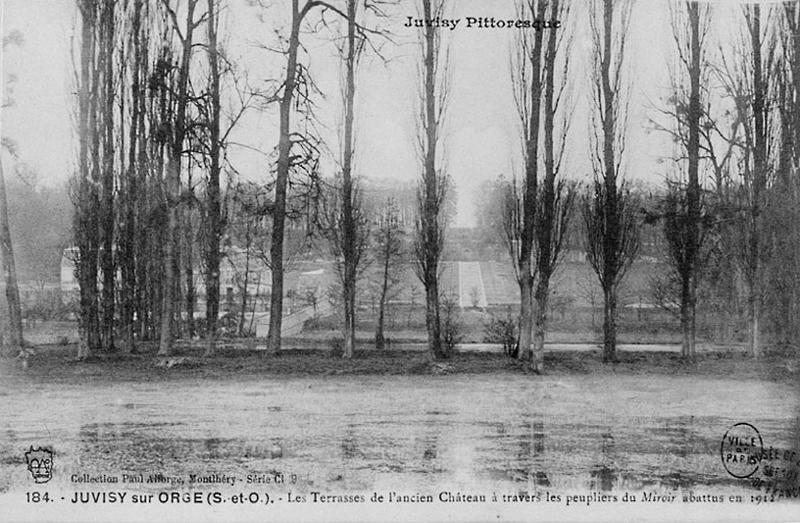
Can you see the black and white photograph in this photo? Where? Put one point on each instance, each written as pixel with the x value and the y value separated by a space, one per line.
pixel 400 260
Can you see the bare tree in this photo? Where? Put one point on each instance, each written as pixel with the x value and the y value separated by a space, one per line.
pixel 520 212
pixel 9 272
pixel 689 255
pixel 683 207
pixel 242 278
pixel 719 143
pixel 107 93
pixel 686 229
pixel 389 249
pixel 135 103
pixel 536 218
pixel 214 212
pixel 296 151
pixel 246 230
pixel 176 139
pixel 783 298
pixel 84 189
pixel 347 232
pixel 610 264
pixel 15 338
pixel 747 77
pixel 555 196
pixel 433 72
pixel 351 251
pixel 347 228
pixel 282 176
pixel 130 184
pixel 223 81
pixel 609 210
pixel 248 217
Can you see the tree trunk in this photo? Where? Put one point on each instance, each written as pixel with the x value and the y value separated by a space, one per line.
pixel 173 180
pixel 9 271
pixel 189 272
pixel 281 183
pixel 130 188
pixel 524 351
pixel 86 199
pixel 609 326
pixel 248 241
pixel 611 205
pixel 547 226
pixel 693 329
pixel 379 339
pixel 759 180
pixel 143 312
pixel 433 320
pixel 686 320
pixel 107 220
pixel 692 245
pixel 178 326
pixel 530 196
pixel 432 197
pixel 213 188
pixel 349 226
pixel 349 322
pixel 754 334
pixel 170 254
pixel 540 324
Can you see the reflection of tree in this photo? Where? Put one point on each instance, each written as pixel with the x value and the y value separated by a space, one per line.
pixel 431 449
pixel 349 444
pixel 430 442
pixel 532 450
pixel 604 474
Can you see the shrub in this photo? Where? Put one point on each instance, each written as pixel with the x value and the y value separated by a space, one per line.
pixel 452 329
pixel 228 325
pixel 337 347
pixel 505 331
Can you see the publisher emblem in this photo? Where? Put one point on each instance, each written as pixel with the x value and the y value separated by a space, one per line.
pixel 40 463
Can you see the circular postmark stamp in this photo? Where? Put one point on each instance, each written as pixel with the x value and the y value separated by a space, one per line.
pixel 741 450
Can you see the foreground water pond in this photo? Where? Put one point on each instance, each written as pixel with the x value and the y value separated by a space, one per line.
pixel 409 434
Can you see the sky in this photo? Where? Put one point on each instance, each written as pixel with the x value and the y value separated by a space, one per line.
pixel 481 130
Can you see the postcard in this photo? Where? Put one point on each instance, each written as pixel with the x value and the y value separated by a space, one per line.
pixel 400 260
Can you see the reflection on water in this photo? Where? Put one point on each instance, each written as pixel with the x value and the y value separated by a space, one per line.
pixel 459 435
pixel 604 474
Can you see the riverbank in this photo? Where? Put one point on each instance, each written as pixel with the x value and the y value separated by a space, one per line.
pixel 57 363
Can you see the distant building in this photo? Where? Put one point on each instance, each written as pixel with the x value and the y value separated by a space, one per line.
pixel 301 279
pixel 376 192
pixel 232 270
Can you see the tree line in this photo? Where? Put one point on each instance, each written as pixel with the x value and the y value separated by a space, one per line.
pixel 158 97
pixel 730 184
pixel 153 82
